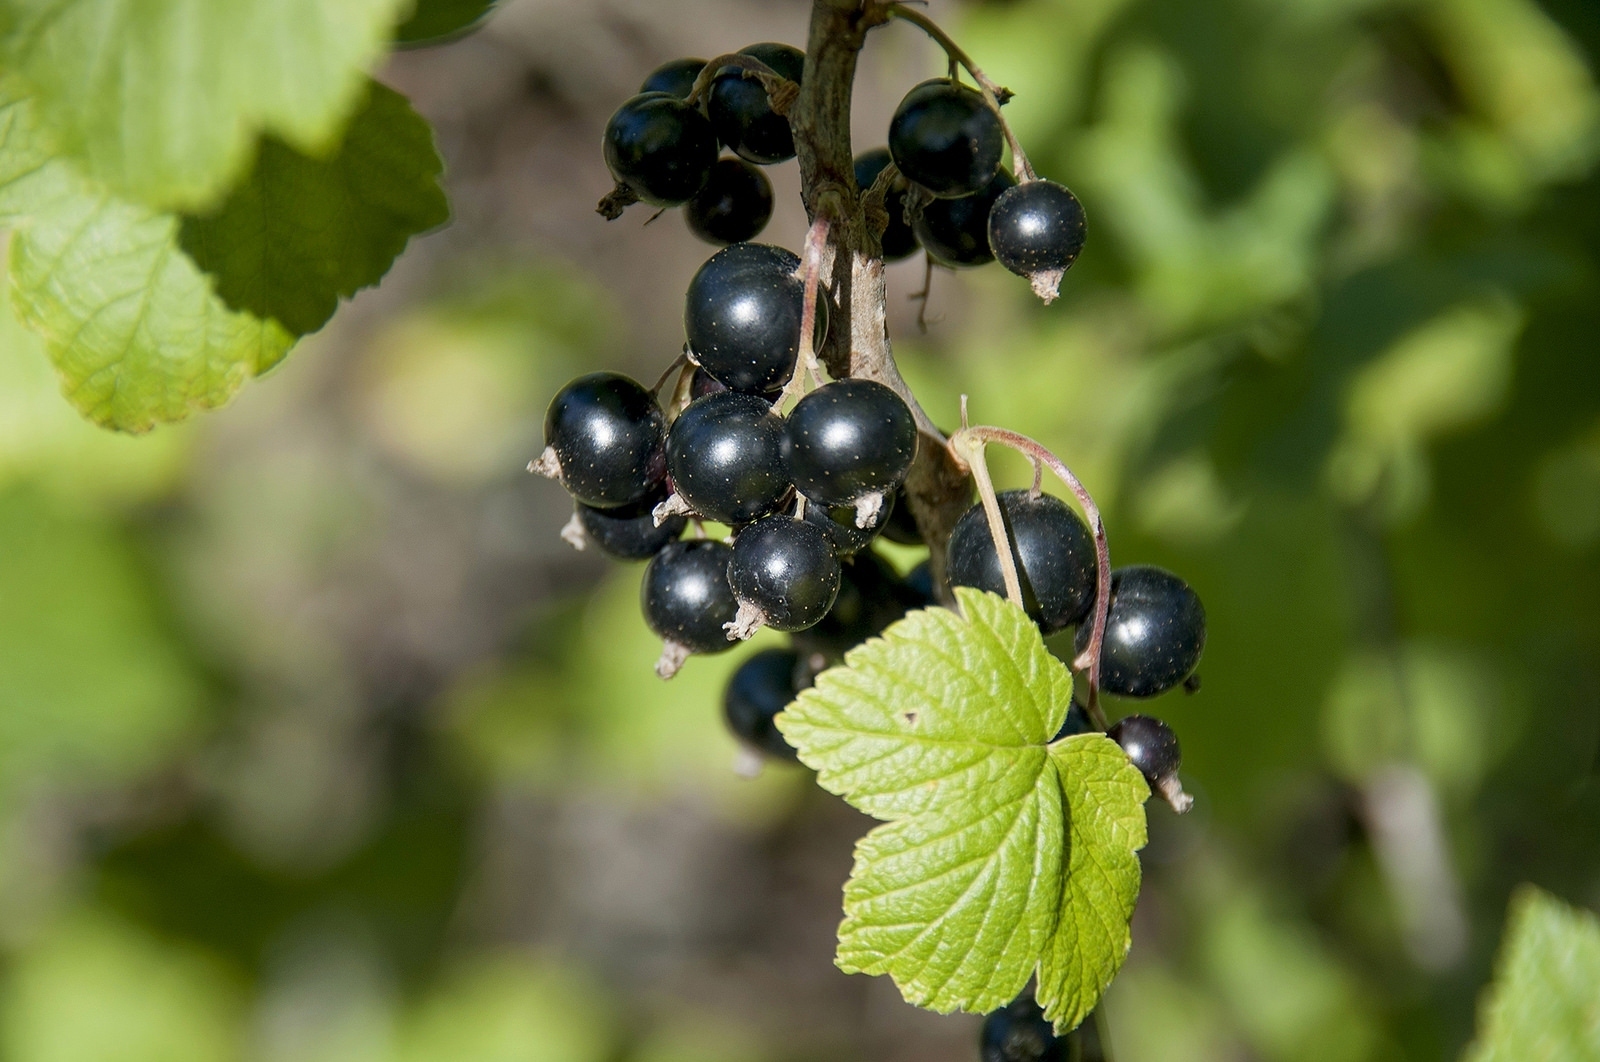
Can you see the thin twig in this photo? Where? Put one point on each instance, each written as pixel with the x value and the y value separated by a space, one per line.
pixel 677 363
pixel 992 93
pixel 779 96
pixel 971 441
pixel 811 265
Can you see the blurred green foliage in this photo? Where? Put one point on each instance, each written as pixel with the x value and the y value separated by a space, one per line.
pixel 1330 354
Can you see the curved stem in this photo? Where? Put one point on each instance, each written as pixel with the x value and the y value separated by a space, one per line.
pixel 972 440
pixel 992 92
pixel 770 79
pixel 970 450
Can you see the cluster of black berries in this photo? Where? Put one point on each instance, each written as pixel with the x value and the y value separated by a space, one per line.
pixel 804 493
pixel 940 182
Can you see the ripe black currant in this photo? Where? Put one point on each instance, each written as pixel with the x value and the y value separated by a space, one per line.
pixel 675 78
pixel 839 522
pixel 956 231
pixel 763 686
pixel 871 596
pixel 742 114
pixel 725 453
pixel 1019 1033
pixel 686 597
pixel 897 241
pixel 919 580
pixel 785 569
pixel 1052 548
pixel 946 138
pixel 734 205
pixel 848 440
pixel 606 432
pixel 1150 744
pixel 742 316
pixel 1036 230
pixel 660 147
pixel 629 532
pixel 1155 632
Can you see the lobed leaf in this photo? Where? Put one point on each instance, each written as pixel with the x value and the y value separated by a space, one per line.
pixel 161 100
pixel 942 726
pixel 300 232
pixel 1544 1005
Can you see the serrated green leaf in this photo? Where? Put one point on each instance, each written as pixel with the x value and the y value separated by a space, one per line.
pixel 1544 1005
pixel 134 328
pixel 942 727
pixel 1104 795
pixel 300 232
pixel 439 21
pixel 161 100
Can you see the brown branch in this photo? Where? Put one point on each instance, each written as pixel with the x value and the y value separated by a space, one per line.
pixel 937 489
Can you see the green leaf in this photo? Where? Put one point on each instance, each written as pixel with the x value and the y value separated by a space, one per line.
pixel 161 100
pixel 440 21
pixel 134 328
pixel 299 232
pixel 1544 1005
pixel 942 727
pixel 1105 795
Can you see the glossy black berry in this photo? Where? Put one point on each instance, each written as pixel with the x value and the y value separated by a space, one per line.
pixel 629 532
pixel 898 240
pixel 742 114
pixel 1155 632
pixel 762 687
pixel 607 432
pixel 839 522
pixel 1020 1033
pixel 1076 722
pixel 849 439
pixel 919 580
pixel 946 138
pixel 1052 548
pixel 742 316
pixel 675 78
pixel 725 454
pixel 871 596
pixel 734 205
pixel 1037 227
pixel 956 231
pixel 660 147
pixel 686 597
pixel 1150 744
pixel 788 569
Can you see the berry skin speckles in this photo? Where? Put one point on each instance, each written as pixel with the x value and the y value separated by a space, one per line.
pixel 606 432
pixel 946 138
pixel 1155 632
pixel 850 439
pixel 1052 548
pixel 660 148
pixel 1036 230
pixel 726 456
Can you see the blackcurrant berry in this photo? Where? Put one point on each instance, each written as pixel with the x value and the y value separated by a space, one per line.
pixel 956 231
pixel 734 205
pixel 1036 230
pixel 787 570
pixel 726 456
pixel 742 316
pixel 839 522
pixel 762 687
pixel 1076 722
pixel 742 114
pixel 871 596
pixel 629 531
pixel 675 78
pixel 1051 547
pixel 1155 632
pixel 660 147
pixel 897 241
pixel 1150 744
pixel 946 138
pixel 686 597
pixel 1020 1033
pixel 702 383
pixel 850 439
pixel 606 432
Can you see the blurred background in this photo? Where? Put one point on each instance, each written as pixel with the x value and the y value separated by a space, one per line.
pixel 317 743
